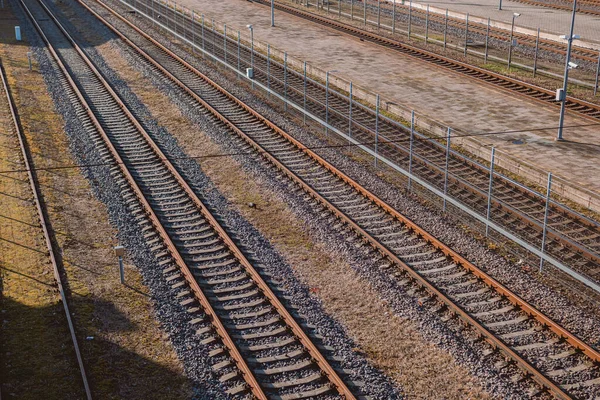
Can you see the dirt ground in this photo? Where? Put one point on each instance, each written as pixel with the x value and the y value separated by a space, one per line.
pixel 389 342
pixel 122 344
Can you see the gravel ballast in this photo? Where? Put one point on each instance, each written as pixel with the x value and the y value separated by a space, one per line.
pixel 171 314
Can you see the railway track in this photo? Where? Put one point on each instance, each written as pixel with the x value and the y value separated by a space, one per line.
pixel 257 347
pixel 586 7
pixel 49 238
pixel 572 238
pixel 538 93
pixel 558 361
pixel 437 22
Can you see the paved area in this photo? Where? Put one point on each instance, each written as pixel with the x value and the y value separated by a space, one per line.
pixel 547 19
pixel 457 101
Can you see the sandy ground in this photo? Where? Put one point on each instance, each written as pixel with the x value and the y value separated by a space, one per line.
pixel 123 347
pixel 392 344
pixel 446 97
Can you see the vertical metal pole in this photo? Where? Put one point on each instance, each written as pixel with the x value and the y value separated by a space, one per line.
pixel 214 39
pixel 239 62
pixel 393 17
pixel 500 6
pixel 193 32
pixel 304 92
pixel 378 14
pixel 545 230
pixel 365 12
pixel 269 69
pixel 203 49
pixel 487 42
pixel 447 162
pixel 566 79
pixel 376 127
pixel 537 48
pixel 327 102
pixel 350 112
pixel 285 80
pixel 272 13
pixel 510 45
pixel 153 16
pixel 445 28
pixel 410 148
pixel 29 59
pixel 121 270
pixel 597 74
pixel 339 9
pixel 427 25
pixel 490 188
pixel 352 10
pixel 466 32
pixel 225 42
pixel 409 17
pixel 328 1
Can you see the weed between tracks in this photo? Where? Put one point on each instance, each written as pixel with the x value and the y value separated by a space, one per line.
pixel 122 345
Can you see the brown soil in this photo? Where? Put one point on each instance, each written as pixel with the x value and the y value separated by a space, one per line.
pixel 391 343
pixel 121 342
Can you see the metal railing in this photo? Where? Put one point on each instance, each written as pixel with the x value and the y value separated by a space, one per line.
pixel 230 43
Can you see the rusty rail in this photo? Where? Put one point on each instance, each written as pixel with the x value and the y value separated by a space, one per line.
pixel 515 86
pixel 457 310
pixel 335 380
pixel 40 206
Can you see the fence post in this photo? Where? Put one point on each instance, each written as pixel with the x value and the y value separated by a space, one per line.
pixel 376 127
pixel 427 25
pixel 203 49
pixel 597 73
pixel 378 14
pixel 410 148
pixel 535 56
pixel 352 10
pixel 487 42
pixel 466 33
pixel 393 17
pixel 225 42
pixel 350 111
pixel 409 17
pixel 445 28
pixel 239 62
pixel 365 12
pixel 285 106
pixel 214 32
pixel 490 188
pixel 304 92
pixel 545 229
pixel 447 162
pixel 339 9
pixel 193 31
pixel 269 69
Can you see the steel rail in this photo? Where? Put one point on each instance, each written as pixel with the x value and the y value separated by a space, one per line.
pixel 582 53
pixel 219 327
pixel 566 6
pixel 521 88
pixel 488 280
pixel 577 248
pixel 40 206
pixel 523 243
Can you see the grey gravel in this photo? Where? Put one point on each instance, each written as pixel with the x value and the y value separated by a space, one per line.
pixel 173 318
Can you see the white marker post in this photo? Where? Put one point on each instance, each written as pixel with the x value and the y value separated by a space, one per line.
pixel 120 252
